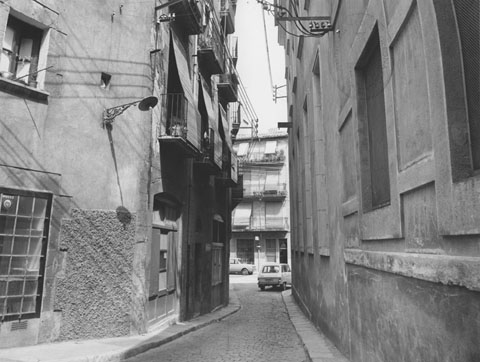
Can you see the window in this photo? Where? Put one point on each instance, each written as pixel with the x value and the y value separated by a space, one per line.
pixel 20 56
pixel 468 17
pixel 370 73
pixel 271 250
pixel 245 250
pixel 24 220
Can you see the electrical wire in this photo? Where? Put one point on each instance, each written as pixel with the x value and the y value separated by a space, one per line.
pixel 244 99
pixel 268 52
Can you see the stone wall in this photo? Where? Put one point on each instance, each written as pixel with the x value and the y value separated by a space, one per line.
pixel 94 290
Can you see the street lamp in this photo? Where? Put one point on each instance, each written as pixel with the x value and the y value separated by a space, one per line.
pixel 258 246
pixel 144 104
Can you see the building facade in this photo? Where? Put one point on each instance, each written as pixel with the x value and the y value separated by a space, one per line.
pixel 260 223
pixel 115 212
pixel 384 181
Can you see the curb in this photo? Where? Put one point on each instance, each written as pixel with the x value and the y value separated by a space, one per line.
pixel 287 293
pixel 318 348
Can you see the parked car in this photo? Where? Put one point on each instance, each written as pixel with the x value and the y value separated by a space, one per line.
pixel 277 275
pixel 236 266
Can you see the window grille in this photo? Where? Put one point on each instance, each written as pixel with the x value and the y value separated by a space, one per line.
pixel 24 220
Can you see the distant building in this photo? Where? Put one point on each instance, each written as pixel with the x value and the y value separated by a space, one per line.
pixel 260 223
pixel 115 216
pixel 384 147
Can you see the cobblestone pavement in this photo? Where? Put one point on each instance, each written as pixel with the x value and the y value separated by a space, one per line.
pixel 260 332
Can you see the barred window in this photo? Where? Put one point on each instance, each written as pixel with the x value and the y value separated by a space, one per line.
pixel 24 220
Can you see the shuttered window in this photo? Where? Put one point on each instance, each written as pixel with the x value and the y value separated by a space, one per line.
pixel 20 51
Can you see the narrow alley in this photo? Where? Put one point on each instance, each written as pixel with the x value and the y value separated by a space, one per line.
pixel 260 331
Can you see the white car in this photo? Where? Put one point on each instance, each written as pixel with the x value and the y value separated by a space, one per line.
pixel 275 275
pixel 236 266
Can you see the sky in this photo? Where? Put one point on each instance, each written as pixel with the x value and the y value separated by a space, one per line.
pixel 252 63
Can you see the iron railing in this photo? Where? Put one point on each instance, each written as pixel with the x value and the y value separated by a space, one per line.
pixel 176 110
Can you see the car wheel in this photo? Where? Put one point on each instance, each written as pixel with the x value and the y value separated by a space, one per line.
pixel 244 271
pixel 262 287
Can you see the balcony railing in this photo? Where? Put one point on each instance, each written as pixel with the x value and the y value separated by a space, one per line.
pixel 174 123
pixel 206 159
pixel 208 145
pixel 234 117
pixel 237 191
pixel 271 191
pixel 211 54
pixel 229 174
pixel 228 87
pixel 227 12
pixel 277 157
pixel 188 15
pixel 233 48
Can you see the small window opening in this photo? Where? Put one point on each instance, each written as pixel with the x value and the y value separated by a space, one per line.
pixel 105 80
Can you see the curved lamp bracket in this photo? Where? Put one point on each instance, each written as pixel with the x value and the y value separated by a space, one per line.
pixel 144 104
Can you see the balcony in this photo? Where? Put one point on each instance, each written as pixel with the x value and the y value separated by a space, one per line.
pixel 188 15
pixel 211 55
pixel 229 174
pixel 227 13
pixel 277 158
pixel 237 192
pixel 270 223
pixel 233 48
pixel 228 87
pixel 234 118
pixel 175 130
pixel 206 159
pixel 268 192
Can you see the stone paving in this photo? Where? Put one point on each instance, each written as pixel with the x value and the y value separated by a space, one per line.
pixel 260 331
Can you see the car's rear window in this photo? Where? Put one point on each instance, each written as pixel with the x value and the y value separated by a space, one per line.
pixel 271 269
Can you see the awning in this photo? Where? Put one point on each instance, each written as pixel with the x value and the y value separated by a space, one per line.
pixel 242 149
pixel 271 181
pixel 270 147
pixel 213 123
pixel 241 215
pixel 193 115
pixel 226 129
pixel 208 103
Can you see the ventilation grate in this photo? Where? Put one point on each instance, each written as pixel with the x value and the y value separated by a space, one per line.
pixel 16 326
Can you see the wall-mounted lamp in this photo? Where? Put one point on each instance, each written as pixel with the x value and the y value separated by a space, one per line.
pixel 144 104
